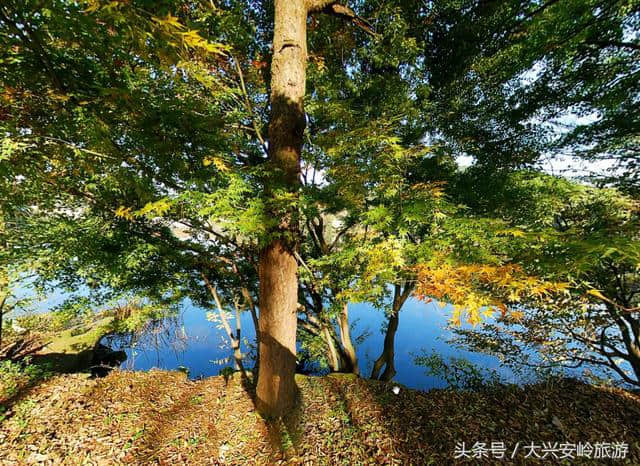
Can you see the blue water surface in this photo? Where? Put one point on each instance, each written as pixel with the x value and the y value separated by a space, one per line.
pixel 192 342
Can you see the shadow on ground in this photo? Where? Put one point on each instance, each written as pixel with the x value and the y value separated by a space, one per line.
pixel 161 417
pixel 94 362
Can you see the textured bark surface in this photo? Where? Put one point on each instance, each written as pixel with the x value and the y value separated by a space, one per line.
pixel 277 269
pixel 276 390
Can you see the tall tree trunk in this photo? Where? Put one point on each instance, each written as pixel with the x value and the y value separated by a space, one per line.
pixel 277 268
pixel 347 344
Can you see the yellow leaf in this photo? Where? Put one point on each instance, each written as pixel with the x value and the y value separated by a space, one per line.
pixel 124 212
pixel 169 20
pixel 60 97
pixel 192 38
pixel 455 316
pixel 597 294
pixel 511 232
pixel 112 5
pixel 92 6
pixel 156 208
pixel 219 163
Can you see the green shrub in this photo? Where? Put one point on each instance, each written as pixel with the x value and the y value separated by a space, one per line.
pixel 16 375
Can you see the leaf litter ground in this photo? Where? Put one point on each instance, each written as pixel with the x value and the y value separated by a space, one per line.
pixel 161 417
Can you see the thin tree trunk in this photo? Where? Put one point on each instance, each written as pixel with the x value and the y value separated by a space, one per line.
pixel 3 301
pixel 277 267
pixel 334 363
pixel 347 344
pixel 632 344
pixel 634 350
pixel 1 317
pixel 337 357
pixel 234 339
pixel 341 361
pixel 237 353
pixel 256 326
pixel 634 361
pixel 320 328
pixel 387 357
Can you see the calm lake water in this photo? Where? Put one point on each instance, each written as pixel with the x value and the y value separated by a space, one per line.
pixel 191 341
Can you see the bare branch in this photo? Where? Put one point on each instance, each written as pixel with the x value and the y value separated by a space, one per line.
pixel 248 106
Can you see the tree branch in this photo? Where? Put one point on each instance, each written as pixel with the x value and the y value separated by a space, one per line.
pixel 613 43
pixel 333 8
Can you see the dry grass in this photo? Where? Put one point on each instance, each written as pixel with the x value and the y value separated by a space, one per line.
pixel 160 417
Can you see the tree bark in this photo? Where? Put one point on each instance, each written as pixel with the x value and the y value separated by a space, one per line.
pixel 4 284
pixel 632 343
pixel 387 357
pixel 341 355
pixel 237 352
pixel 629 328
pixel 1 317
pixel 277 268
pixel 347 344
pixel 276 389
pixel 334 363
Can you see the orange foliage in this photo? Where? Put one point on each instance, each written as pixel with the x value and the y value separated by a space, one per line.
pixel 477 289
